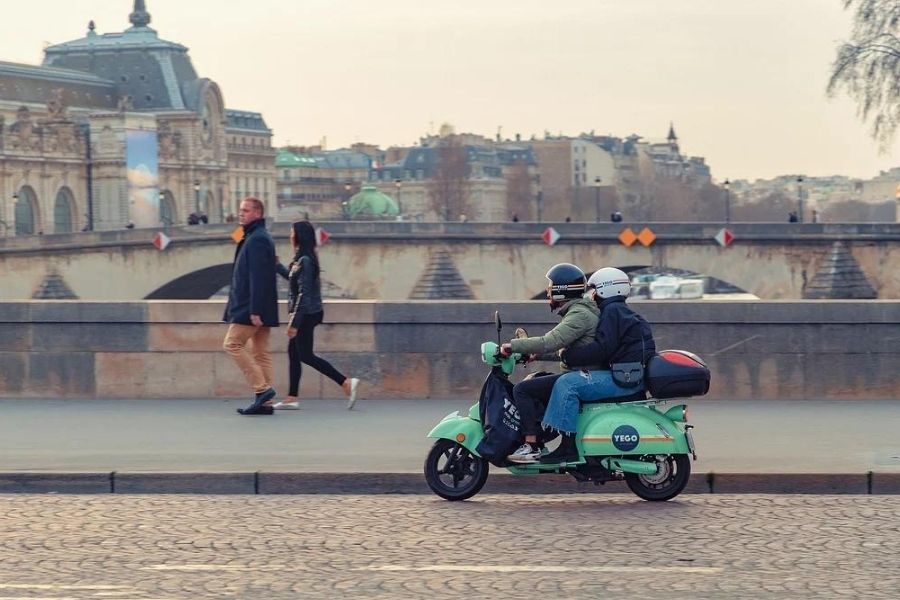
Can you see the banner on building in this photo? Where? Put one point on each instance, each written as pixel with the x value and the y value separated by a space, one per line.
pixel 142 163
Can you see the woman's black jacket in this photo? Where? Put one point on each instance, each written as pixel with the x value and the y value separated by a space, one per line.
pixel 622 336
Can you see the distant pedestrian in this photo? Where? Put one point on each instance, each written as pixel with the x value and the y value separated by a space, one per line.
pixel 193 219
pixel 229 218
pixel 815 216
pixel 568 219
pixel 793 218
pixel 615 217
pixel 307 312
pixel 252 308
pixel 203 218
pixel 515 218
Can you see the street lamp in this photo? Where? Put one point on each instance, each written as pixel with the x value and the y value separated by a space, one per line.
pixel 800 197
pixel 398 185
pixel 727 186
pixel 597 181
pixel 539 199
pixel 197 196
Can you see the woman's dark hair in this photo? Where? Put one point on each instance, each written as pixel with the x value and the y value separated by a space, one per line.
pixel 305 238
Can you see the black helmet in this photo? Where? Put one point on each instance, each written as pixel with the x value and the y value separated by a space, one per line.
pixel 566 282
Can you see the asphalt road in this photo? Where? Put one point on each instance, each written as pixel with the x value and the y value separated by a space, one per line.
pixel 389 436
pixel 399 547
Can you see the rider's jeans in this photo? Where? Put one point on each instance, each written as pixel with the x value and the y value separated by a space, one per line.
pixel 530 396
pixel 573 388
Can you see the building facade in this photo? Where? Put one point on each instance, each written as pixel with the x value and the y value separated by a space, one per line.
pixel 318 184
pixel 117 130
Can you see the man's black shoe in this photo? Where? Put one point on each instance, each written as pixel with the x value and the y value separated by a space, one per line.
pixel 258 407
pixel 263 397
pixel 256 410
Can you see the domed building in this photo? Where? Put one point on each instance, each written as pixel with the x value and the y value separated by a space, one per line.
pixel 119 128
pixel 369 203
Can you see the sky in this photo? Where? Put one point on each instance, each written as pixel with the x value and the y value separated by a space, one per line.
pixel 743 81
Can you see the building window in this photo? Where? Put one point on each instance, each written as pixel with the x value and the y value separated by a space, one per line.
pixel 26 211
pixel 62 212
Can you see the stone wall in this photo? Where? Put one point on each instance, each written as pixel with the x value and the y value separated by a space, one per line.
pixel 765 350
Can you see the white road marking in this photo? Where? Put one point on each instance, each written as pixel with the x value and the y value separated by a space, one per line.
pixel 220 568
pixel 61 587
pixel 37 598
pixel 538 569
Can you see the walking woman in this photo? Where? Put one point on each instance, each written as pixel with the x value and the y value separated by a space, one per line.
pixel 305 306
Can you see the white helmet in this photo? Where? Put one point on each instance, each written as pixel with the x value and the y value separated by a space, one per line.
pixel 609 282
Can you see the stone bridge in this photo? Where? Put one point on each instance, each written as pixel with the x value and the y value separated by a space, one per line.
pixel 486 261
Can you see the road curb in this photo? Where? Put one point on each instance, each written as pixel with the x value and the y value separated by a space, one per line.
pixel 263 482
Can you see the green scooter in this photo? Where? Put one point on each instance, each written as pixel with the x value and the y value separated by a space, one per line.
pixel 628 438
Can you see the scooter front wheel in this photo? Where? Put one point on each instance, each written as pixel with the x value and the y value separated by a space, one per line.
pixel 671 477
pixel 453 472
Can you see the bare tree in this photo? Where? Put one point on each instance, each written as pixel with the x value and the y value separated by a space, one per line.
pixel 774 207
pixel 867 66
pixel 670 199
pixel 854 211
pixel 448 190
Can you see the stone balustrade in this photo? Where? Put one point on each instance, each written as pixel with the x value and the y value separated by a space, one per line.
pixel 756 350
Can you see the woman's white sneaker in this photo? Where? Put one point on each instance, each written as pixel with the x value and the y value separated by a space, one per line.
pixel 354 387
pixel 525 454
pixel 286 406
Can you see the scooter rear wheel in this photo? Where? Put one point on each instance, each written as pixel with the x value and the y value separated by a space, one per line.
pixel 673 475
pixel 453 472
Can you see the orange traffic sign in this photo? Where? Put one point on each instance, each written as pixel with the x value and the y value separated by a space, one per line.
pixel 628 237
pixel 646 237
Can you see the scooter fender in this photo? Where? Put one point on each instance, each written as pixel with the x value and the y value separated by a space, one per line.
pixel 619 429
pixel 465 431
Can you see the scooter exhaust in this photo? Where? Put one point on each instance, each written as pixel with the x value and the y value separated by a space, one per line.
pixel 629 466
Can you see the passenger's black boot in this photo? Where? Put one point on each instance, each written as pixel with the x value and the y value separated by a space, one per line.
pixel 566 452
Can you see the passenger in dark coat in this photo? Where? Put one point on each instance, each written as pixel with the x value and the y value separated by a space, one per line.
pixel 622 337
pixel 252 308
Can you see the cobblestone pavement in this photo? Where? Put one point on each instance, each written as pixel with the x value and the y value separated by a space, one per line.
pixel 186 547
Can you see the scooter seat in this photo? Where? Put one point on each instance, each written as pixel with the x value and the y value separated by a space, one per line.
pixel 636 397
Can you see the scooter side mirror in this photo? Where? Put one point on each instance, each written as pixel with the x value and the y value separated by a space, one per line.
pixel 497 321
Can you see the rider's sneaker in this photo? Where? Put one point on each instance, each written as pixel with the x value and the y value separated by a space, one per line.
pixel 525 454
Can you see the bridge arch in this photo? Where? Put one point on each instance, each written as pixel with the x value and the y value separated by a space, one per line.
pixel 197 285
pixel 713 284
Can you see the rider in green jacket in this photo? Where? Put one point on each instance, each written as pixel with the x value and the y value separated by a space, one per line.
pixel 579 322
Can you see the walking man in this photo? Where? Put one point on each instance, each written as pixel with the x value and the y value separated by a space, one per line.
pixel 253 306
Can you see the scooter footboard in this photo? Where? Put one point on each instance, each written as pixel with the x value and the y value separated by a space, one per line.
pixel 465 431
